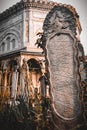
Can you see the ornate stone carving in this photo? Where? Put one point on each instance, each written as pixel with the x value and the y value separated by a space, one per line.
pixel 59 44
pixel 24 79
pixel 60 22
pixel 14 83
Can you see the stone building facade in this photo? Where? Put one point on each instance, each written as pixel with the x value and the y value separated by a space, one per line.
pixel 20 27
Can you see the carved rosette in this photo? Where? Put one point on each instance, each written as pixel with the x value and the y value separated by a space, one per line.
pixel 61 50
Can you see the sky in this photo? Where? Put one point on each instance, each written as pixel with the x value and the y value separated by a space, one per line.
pixel 81 8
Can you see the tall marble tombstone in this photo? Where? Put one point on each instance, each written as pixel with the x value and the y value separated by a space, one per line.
pixel 61 50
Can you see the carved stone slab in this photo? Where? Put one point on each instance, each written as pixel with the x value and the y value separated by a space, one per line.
pixel 60 47
pixel 63 76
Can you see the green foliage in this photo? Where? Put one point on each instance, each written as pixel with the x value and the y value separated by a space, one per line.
pixel 32 115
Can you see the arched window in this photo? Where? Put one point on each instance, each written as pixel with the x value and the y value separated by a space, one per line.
pixel 35 72
pixel 8 43
pixel 3 47
pixel 13 43
pixel 34 65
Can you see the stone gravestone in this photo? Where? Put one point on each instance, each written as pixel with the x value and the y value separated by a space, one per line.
pixel 60 47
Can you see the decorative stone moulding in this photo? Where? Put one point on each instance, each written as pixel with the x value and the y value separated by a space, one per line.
pixel 25 4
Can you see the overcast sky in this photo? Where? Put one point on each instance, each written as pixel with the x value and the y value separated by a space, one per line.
pixel 80 5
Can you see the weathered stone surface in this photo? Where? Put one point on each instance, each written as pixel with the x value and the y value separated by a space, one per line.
pixel 60 47
pixel 62 68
